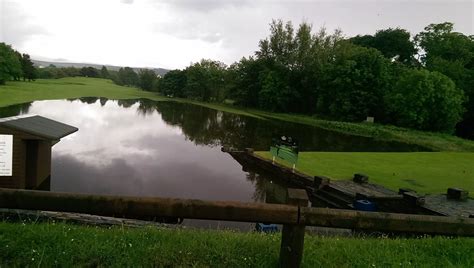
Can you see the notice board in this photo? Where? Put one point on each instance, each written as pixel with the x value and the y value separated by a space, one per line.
pixel 6 155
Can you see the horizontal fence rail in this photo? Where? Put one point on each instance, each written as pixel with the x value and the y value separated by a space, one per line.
pixel 149 208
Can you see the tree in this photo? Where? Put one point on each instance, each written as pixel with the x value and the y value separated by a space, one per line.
pixel 104 73
pixel 205 80
pixel 127 76
pixel 147 79
pixel 244 81
pixel 425 100
pixel 279 47
pixel 89 72
pixel 448 52
pixel 393 43
pixel 283 60
pixel 10 66
pixel 354 84
pixel 452 54
pixel 173 83
pixel 70 71
pixel 28 68
pixel 276 93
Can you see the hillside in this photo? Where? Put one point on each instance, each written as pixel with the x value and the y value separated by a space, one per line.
pixel 39 63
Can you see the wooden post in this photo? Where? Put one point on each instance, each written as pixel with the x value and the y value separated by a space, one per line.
pixel 292 236
pixel 457 194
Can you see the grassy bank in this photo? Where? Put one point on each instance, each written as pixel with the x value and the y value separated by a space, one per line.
pixel 48 89
pixel 48 244
pixel 423 172
pixel 77 87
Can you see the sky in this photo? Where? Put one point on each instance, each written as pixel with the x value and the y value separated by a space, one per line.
pixel 173 34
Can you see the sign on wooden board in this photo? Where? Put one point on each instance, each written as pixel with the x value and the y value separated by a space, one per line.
pixel 6 155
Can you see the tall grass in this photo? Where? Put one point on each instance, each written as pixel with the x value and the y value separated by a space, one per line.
pixel 63 245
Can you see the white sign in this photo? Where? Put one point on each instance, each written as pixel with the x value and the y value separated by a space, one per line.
pixel 6 155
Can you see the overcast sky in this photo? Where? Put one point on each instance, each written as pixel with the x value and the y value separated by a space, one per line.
pixel 172 34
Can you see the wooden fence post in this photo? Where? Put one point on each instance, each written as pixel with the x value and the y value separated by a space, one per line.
pixel 292 236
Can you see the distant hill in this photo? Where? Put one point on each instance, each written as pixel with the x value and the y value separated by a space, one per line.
pixel 39 63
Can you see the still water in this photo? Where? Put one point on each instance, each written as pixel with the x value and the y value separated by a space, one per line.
pixel 167 149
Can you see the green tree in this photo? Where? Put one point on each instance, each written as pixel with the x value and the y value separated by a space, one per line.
pixel 276 93
pixel 127 76
pixel 173 83
pixel 244 81
pixel 10 66
pixel 71 71
pixel 205 80
pixel 89 72
pixel 354 84
pixel 451 53
pixel 393 43
pixel 28 68
pixel 104 73
pixel 281 55
pixel 279 47
pixel 147 79
pixel 425 100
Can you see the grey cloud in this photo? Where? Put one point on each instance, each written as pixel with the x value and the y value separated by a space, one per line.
pixel 188 30
pixel 15 26
pixel 226 22
pixel 205 5
pixel 126 1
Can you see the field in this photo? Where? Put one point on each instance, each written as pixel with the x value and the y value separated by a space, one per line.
pixel 424 172
pixel 431 172
pixel 48 89
pixel 64 245
pixel 59 244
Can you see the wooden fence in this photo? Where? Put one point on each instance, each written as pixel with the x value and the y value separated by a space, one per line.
pixel 294 216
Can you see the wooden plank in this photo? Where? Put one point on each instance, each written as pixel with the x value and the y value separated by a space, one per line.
pixel 387 222
pixel 147 208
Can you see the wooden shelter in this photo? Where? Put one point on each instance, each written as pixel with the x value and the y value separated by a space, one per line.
pixel 27 163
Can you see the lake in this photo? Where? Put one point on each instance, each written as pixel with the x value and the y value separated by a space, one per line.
pixel 169 149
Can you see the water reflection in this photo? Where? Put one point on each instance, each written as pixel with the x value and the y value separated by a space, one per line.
pixel 210 127
pixel 142 147
pixel 15 110
pixel 133 151
pixel 167 149
pixel 147 148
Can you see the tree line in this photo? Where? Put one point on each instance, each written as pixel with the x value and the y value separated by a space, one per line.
pixel 14 65
pixel 422 82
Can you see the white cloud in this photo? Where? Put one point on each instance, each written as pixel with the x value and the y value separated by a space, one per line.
pixel 171 34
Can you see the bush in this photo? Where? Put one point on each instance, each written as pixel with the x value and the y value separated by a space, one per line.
pixel 425 100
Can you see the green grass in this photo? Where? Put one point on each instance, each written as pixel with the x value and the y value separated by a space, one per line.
pixel 63 245
pixel 49 89
pixel 72 245
pixel 431 140
pixel 430 172
pixel 76 87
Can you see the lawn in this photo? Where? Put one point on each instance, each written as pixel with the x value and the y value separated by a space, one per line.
pixel 65 245
pixel 49 89
pixel 76 87
pixel 58 244
pixel 424 172
pixel 431 172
